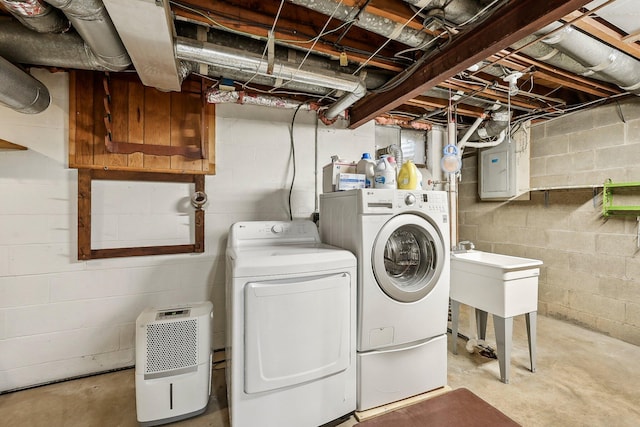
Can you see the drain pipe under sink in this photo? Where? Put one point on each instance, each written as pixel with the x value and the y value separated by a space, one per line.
pixel 452 189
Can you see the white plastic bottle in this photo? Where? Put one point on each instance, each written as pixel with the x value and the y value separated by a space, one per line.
pixel 366 166
pixel 385 173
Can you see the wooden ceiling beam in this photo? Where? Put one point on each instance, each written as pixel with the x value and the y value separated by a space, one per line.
pixel 512 22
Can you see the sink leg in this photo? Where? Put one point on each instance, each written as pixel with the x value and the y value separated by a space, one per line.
pixel 481 323
pixel 531 319
pixel 455 316
pixel 504 331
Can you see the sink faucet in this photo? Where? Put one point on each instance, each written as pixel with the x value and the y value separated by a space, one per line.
pixel 464 246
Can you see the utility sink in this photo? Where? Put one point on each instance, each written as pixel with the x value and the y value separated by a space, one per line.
pixel 502 285
pixel 499 284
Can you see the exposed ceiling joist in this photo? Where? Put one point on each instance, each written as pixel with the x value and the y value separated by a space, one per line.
pixel 606 34
pixel 399 49
pixel 521 62
pixel 516 21
pixel 296 27
pixel 439 103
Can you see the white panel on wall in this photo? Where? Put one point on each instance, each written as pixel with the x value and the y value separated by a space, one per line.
pixel 129 214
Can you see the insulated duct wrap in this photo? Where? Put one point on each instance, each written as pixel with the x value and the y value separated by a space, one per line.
pixel 600 59
pixel 369 21
pixel 222 56
pixel 234 59
pixel 37 15
pixel 459 11
pixel 216 96
pixel 20 91
pixel 20 45
pixel 92 22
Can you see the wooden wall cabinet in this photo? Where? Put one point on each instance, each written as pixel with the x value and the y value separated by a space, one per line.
pixel 162 123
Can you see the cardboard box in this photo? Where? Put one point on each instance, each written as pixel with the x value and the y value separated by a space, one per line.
pixel 349 181
pixel 330 174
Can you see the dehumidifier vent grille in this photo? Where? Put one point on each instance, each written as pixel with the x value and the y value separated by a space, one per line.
pixel 172 345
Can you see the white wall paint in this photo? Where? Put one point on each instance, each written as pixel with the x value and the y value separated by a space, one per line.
pixel 60 317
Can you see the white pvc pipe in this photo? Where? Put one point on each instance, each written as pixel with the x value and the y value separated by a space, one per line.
pixel 452 190
pixel 498 141
pixel 463 142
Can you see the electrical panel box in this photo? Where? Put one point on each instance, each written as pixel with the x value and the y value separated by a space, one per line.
pixel 503 170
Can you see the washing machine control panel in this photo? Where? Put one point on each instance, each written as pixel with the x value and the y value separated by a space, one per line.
pixel 432 201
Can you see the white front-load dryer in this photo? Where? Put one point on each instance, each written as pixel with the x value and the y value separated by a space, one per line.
pixel 291 306
pixel 401 241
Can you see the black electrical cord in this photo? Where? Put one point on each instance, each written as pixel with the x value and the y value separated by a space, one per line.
pixel 293 157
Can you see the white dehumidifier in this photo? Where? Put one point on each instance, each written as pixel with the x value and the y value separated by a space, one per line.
pixel 173 363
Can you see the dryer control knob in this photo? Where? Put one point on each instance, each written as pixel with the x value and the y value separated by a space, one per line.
pixel 277 229
pixel 410 199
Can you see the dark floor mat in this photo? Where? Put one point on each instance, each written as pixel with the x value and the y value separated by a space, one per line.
pixel 458 408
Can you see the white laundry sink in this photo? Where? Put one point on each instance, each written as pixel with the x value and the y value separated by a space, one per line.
pixel 503 285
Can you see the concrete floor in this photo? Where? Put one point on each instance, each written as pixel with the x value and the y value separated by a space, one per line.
pixel 583 379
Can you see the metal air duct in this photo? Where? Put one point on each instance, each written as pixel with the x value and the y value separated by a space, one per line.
pixel 600 59
pixel 234 59
pixel 369 21
pixel 67 50
pixel 459 11
pixel 92 22
pixel 491 129
pixel 20 91
pixel 37 15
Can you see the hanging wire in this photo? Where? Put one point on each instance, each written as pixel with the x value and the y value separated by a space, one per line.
pixel 293 157
pixel 266 46
pixel 352 21
pixel 244 33
pixel 310 49
pixel 536 40
pixel 373 55
pixel 400 78
pixel 557 112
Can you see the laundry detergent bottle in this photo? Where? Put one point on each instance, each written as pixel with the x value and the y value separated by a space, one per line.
pixel 385 173
pixel 408 176
pixel 366 166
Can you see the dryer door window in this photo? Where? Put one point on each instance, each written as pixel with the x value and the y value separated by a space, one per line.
pixel 408 257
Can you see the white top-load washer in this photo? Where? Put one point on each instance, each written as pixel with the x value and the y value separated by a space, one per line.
pixel 291 306
pixel 401 241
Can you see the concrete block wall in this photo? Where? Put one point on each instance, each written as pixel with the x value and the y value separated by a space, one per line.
pixel 591 272
pixel 60 317
pixel 588 147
